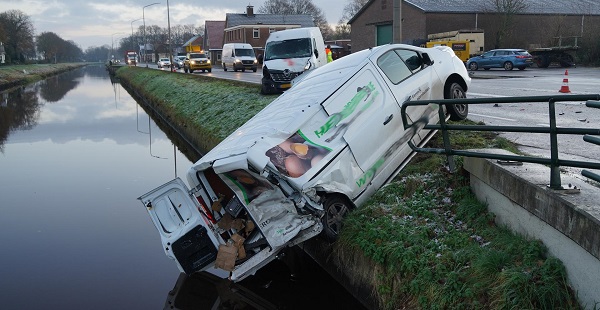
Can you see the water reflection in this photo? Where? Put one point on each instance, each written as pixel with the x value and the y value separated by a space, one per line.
pixel 206 291
pixel 54 88
pixel 18 111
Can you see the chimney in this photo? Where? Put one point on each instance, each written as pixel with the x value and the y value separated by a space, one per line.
pixel 250 11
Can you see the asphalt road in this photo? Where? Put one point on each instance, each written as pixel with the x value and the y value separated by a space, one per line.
pixel 539 82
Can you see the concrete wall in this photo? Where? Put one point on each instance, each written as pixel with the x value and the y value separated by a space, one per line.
pixel 567 224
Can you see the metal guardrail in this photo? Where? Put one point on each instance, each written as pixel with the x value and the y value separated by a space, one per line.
pixel 554 161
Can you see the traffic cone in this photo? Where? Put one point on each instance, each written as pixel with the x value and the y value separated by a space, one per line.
pixel 565 86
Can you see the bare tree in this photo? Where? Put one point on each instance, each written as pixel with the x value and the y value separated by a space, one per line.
pixel 505 10
pixel 342 29
pixel 19 32
pixel 297 7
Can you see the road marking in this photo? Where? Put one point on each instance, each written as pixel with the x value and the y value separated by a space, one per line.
pixel 486 95
pixel 495 117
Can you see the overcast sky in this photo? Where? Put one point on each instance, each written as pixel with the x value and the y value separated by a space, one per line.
pixel 98 22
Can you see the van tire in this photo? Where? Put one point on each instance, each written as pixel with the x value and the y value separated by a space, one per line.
pixel 224 67
pixel 336 208
pixel 254 70
pixel 457 112
pixel 185 69
pixel 209 70
pixel 243 69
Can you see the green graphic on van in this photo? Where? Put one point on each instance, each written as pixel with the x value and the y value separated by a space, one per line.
pixel 362 93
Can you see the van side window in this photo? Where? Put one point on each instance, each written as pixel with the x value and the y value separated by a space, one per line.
pixel 394 68
pixel 412 59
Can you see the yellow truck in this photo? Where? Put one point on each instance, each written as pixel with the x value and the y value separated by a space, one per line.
pixel 466 43
pixel 460 48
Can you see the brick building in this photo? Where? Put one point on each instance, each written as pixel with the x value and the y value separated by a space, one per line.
pixel 539 23
pixel 255 28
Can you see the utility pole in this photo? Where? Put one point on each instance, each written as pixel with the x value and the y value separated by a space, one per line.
pixel 397 22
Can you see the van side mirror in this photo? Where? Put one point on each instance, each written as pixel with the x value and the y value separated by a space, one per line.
pixel 316 53
pixel 426 60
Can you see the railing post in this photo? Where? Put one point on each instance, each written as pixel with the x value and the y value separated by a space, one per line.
pixel 554 168
pixel 446 138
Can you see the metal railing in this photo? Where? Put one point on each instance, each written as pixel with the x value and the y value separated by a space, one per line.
pixel 554 161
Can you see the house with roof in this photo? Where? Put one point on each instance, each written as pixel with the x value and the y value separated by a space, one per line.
pixel 254 28
pixel 213 39
pixel 540 23
pixel 194 44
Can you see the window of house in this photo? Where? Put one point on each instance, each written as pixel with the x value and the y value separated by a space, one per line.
pixel 256 33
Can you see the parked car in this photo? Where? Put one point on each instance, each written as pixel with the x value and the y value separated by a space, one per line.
pixel 197 61
pixel 297 167
pixel 164 63
pixel 178 61
pixel 501 58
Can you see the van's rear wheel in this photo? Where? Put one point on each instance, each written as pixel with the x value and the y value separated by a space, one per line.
pixel 224 67
pixel 457 112
pixel 336 208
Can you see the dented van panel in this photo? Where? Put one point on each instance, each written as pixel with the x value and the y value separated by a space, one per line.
pixel 298 166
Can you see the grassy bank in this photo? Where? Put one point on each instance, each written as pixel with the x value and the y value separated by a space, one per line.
pixel 425 242
pixel 422 242
pixel 206 109
pixel 16 75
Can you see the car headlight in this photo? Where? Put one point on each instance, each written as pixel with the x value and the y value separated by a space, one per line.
pixel 193 62
pixel 208 61
pixel 307 66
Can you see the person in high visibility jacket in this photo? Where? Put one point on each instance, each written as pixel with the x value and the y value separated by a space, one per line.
pixel 328 53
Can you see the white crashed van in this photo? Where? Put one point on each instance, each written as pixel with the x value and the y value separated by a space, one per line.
pixel 288 54
pixel 297 167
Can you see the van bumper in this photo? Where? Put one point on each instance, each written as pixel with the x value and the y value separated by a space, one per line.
pixel 271 87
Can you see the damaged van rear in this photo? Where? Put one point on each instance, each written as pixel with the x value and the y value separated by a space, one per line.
pixel 298 166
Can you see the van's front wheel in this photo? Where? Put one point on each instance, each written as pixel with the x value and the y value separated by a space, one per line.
pixel 457 112
pixel 336 208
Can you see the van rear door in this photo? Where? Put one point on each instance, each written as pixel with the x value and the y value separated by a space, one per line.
pixel 187 235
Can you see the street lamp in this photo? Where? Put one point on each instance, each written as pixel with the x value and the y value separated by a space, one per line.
pixel 144 18
pixel 169 36
pixel 132 45
pixel 112 44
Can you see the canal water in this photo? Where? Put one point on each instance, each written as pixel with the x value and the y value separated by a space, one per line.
pixel 76 151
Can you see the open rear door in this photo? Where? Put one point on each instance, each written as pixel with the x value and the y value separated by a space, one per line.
pixel 187 235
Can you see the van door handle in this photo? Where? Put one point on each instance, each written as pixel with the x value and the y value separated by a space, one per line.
pixel 388 119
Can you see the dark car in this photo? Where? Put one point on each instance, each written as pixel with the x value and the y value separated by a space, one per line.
pixel 501 58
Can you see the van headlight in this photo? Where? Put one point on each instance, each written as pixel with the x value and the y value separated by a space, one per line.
pixel 255 61
pixel 307 66
pixel 193 62
pixel 237 60
pixel 208 61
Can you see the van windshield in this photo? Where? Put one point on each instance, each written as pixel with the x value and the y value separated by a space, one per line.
pixel 294 48
pixel 244 52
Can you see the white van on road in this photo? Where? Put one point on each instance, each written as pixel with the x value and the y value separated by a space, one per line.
pixel 239 56
pixel 289 53
pixel 298 166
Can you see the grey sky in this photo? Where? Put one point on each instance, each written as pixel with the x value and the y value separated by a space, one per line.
pixel 98 22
